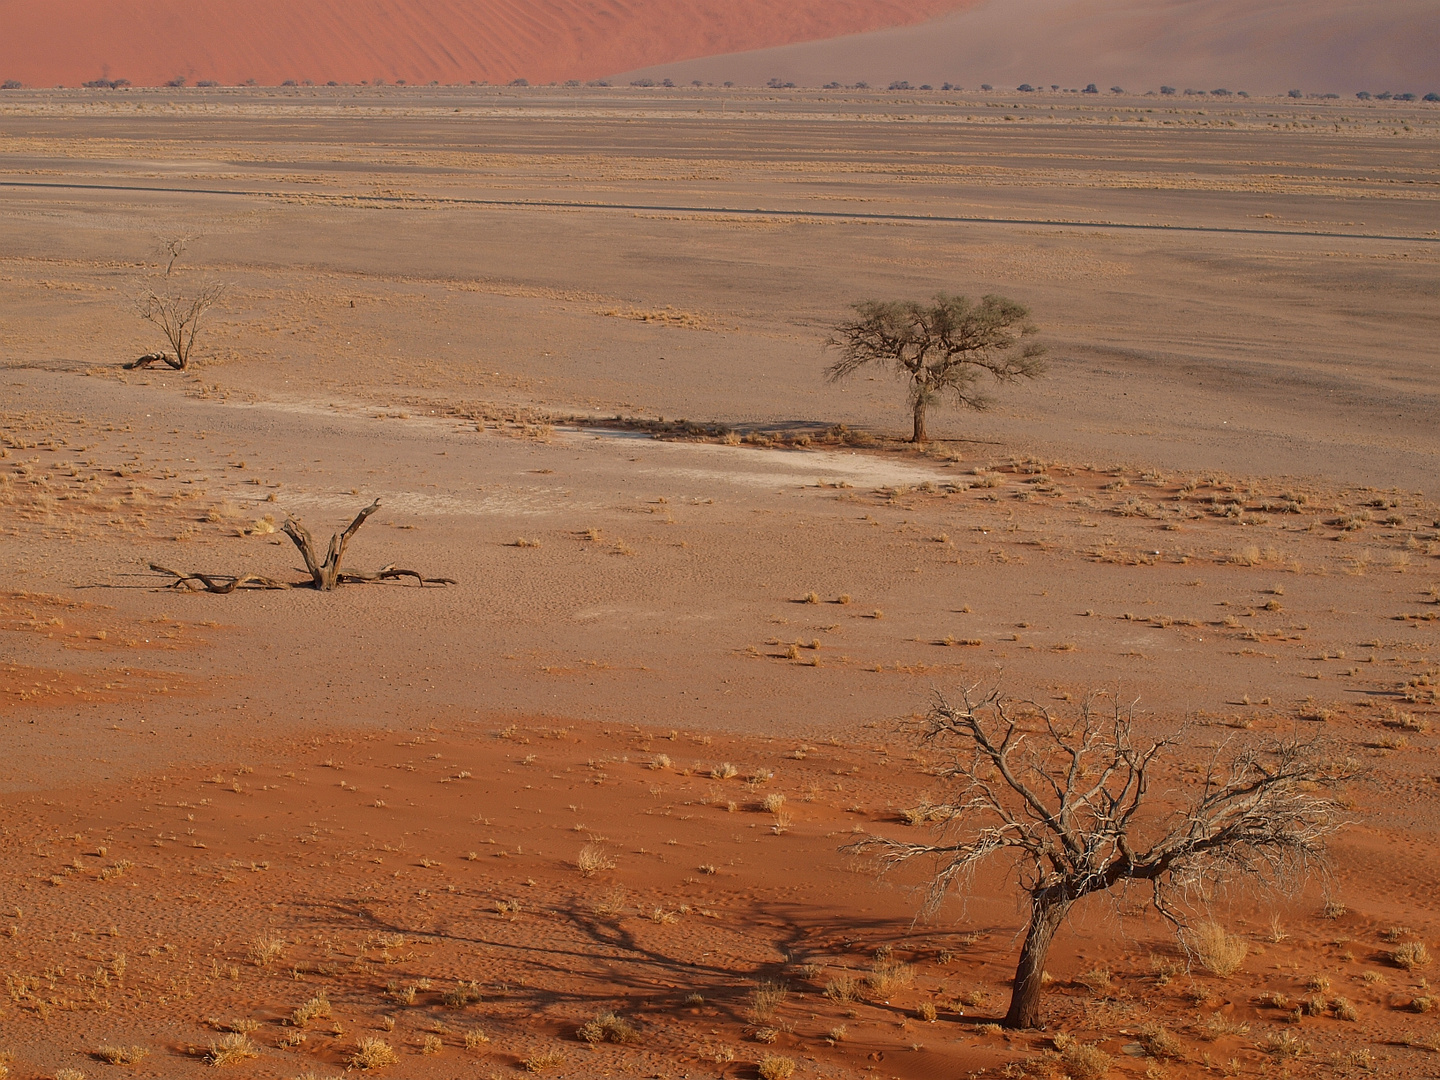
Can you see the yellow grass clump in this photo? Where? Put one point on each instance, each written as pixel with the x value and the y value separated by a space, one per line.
pixel 1219 952
pixel 233 1049
pixel 373 1053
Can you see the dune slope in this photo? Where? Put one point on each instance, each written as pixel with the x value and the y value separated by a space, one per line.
pixel 1266 47
pixel 150 42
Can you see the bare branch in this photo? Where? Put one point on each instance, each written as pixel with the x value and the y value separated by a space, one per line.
pixel 1070 805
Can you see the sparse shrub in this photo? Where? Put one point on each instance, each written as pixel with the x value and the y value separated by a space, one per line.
pixel 724 771
pixel 475 1039
pixel 593 859
pixel 461 994
pixel 610 904
pixel 432 1044
pixel 1285 1044
pixel 926 1011
pixel 543 1060
pixel 766 999
pixel 1221 953
pixel 1411 956
pixel 317 1008
pixel 1084 1061
pixel 773 802
pixel 607 1027
pixel 775 1067
pixel 886 977
pixel 1218 1026
pixel 264 951
pixel 843 988
pixel 373 1053
pixel 231 1050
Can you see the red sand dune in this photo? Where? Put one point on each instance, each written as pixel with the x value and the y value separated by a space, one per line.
pixel 149 42
pixel 1265 46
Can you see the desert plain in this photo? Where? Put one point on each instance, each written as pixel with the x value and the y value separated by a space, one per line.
pixel 573 341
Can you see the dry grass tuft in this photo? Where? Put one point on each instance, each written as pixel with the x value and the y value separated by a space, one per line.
pixel 373 1053
pixel 1285 1044
pixel 1411 956
pixel 317 1008
pixel 475 1039
pixel 843 988
pixel 122 1055
pixel 461 994
pixel 610 904
pixel 607 1027
pixel 264 951
pixel 233 1049
pixel 775 1067
pixel 886 977
pixel 1159 1043
pixel 543 1060
pixel 1219 952
pixel 432 1044
pixel 1082 1061
pixel 766 999
pixel 593 859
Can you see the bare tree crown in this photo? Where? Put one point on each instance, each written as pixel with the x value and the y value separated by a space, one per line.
pixel 176 310
pixel 1071 804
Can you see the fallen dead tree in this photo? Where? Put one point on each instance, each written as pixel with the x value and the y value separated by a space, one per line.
pixel 325 574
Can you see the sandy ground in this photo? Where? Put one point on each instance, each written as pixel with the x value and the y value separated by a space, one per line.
pixel 1219 503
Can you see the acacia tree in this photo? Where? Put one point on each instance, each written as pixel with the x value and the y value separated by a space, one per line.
pixel 940 348
pixel 1069 806
pixel 175 309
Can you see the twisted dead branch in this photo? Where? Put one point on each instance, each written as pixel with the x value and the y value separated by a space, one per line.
pixel 325 574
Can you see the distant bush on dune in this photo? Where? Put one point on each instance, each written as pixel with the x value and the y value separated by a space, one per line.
pixel 10 84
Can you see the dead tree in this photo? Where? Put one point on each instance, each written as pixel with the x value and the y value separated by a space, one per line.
pixel 1068 805
pixel 325 574
pixel 177 311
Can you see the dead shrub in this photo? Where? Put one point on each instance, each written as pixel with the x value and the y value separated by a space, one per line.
pixel 607 1027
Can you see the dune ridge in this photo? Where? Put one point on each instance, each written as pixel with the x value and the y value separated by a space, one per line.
pixel 1267 47
pixel 150 42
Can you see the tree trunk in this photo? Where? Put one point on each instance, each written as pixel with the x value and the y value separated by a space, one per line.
pixel 1047 912
pixel 326 574
pixel 920 435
